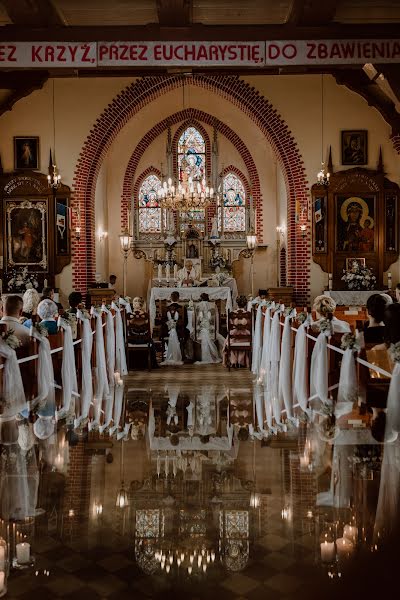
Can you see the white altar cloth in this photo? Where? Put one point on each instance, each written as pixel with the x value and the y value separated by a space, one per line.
pixel 188 293
pixel 351 297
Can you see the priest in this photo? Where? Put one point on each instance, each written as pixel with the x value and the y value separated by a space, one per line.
pixel 189 275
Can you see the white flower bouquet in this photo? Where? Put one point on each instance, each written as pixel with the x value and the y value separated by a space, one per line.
pixel 358 277
pixel 20 280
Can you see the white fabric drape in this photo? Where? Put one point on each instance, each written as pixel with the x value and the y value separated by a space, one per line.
pixel 348 384
pixel 45 399
pixel 125 304
pixel 120 355
pixel 300 368
pixel 118 403
pixel 285 374
pixel 393 406
pixel 87 381
pixel 255 365
pixel 110 345
pixel 68 370
pixel 319 369
pixel 275 356
pixel 13 388
pixel 264 366
pixel 102 390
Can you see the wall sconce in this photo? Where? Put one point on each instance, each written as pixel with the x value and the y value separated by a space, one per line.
pixel 102 235
pixel 280 230
pixel 77 233
pixel 303 229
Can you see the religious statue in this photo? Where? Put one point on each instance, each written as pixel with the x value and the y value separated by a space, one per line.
pixel 214 229
pixel 192 251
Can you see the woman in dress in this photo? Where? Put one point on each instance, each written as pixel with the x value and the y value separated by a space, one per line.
pixel 238 358
pixel 173 355
pixel 206 324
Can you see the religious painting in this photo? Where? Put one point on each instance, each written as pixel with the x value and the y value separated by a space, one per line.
pixel 26 152
pixel 391 223
pixel 320 225
pixel 26 232
pixel 350 263
pixel 355 224
pixel 62 226
pixel 354 147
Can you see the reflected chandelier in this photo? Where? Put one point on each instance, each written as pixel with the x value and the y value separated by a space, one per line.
pixel 185 196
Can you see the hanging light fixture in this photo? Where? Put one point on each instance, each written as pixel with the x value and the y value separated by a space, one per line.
pixel 183 196
pixel 122 500
pixel 53 178
pixel 323 175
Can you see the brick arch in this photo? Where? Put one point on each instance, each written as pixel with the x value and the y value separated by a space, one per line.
pixel 236 91
pixel 191 115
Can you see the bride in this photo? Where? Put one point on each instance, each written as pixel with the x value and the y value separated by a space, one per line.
pixel 205 321
pixel 173 355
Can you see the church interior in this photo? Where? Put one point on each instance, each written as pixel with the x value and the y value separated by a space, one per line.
pixel 200 298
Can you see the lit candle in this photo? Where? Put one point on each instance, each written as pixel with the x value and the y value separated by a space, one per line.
pixel 350 533
pixel 2 557
pixel 175 271
pixel 167 272
pixel 344 548
pixel 159 271
pixel 2 581
pixel 23 551
pixel 389 281
pixel 327 551
pixel 45 283
pixel 330 281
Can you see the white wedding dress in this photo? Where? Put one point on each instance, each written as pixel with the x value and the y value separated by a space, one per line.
pixel 209 351
pixel 173 352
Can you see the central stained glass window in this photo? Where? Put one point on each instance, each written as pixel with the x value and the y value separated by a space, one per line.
pixel 192 163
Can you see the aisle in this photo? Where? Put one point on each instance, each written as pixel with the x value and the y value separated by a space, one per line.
pixel 192 376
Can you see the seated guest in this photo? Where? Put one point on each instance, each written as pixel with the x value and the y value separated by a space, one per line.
pixel 397 291
pixel 174 303
pixel 30 301
pixel 138 306
pixel 12 312
pixel 374 329
pixel 48 293
pixel 324 308
pixel 47 311
pixel 74 300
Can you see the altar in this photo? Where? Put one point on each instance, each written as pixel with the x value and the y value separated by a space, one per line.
pixel 352 297
pixel 188 293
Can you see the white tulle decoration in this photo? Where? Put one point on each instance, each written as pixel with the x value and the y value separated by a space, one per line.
pixel 120 355
pixel 87 381
pixel 68 370
pixel 300 394
pixel 110 345
pixel 255 365
pixel 13 389
pixel 319 369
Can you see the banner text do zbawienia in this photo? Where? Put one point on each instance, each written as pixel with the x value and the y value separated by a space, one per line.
pixel 197 54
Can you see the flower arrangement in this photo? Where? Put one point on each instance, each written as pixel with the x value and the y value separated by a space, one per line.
pixel 395 352
pixel 10 339
pixel 218 261
pixel 290 312
pixel 41 329
pixel 349 342
pixel 358 277
pixel 20 280
pixel 301 317
pixel 325 326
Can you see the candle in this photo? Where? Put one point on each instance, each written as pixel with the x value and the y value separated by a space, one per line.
pixel 23 551
pixel 45 283
pixel 344 548
pixel 350 533
pixel 327 551
pixel 389 281
pixel 2 581
pixel 167 272
pixel 2 557
pixel 175 271
pixel 330 281
pixel 159 271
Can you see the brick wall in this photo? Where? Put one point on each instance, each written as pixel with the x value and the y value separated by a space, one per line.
pixel 129 102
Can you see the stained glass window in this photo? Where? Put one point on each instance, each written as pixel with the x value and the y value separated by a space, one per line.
pixel 232 213
pixel 192 163
pixel 150 212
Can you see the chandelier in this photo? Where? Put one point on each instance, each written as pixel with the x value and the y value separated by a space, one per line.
pixel 193 195
pixel 323 175
pixel 53 177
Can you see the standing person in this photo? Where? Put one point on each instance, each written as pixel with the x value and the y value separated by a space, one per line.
pixel 112 282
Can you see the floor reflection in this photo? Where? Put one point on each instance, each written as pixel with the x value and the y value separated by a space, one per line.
pixel 184 493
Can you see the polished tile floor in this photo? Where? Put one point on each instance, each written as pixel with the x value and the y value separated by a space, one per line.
pixel 211 517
